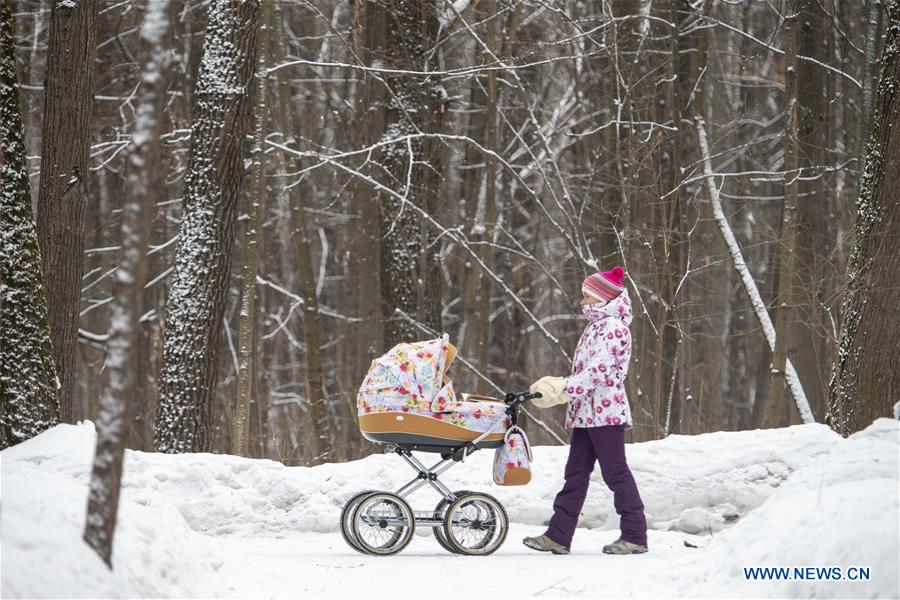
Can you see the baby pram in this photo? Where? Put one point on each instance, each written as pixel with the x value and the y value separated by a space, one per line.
pixel 407 401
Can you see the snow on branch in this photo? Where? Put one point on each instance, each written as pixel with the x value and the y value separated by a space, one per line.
pixel 518 177
pixel 444 75
pixel 453 234
pixel 737 257
pixel 768 46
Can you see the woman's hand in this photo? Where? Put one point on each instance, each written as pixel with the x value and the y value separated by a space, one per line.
pixel 552 390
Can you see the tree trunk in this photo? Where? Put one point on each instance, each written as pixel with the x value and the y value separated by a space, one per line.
pixel 145 360
pixel 676 228
pixel 812 243
pixel 873 27
pixel 696 79
pixel 471 197
pixel 363 289
pixel 410 261
pixel 221 122
pixel 299 236
pixel 65 160
pixel 116 405
pixel 785 317
pixel 29 403
pixel 624 69
pixel 247 317
pixel 319 439
pixel 486 214
pixel 866 377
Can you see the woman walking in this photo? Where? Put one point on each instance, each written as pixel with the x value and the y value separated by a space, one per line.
pixel 598 415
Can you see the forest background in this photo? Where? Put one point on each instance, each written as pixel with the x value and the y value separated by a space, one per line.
pixel 318 181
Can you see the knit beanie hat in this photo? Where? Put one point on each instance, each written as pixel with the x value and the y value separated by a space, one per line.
pixel 604 285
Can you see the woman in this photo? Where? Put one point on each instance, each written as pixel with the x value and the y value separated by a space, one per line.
pixel 598 415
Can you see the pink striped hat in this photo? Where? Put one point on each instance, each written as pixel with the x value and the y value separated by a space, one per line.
pixel 604 285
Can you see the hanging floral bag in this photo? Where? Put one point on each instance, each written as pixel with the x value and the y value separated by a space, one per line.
pixel 512 460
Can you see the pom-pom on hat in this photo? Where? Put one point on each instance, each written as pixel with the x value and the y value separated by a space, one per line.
pixel 604 285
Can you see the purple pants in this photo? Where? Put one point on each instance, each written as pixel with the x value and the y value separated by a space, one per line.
pixel 605 445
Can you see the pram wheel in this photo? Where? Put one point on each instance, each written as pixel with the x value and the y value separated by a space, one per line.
pixel 382 523
pixel 346 519
pixel 475 524
pixel 440 512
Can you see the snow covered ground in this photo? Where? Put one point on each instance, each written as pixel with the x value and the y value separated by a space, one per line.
pixel 206 525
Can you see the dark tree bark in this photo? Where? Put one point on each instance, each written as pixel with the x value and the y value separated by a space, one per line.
pixel 410 262
pixel 480 191
pixel 247 316
pixel 785 317
pixel 866 377
pixel 222 119
pixel 812 242
pixel 62 200
pixel 29 403
pixel 319 438
pixel 486 212
pixel 363 289
pixel 697 81
pixel 676 225
pixel 469 336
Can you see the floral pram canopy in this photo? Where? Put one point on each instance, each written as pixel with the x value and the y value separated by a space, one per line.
pixel 410 379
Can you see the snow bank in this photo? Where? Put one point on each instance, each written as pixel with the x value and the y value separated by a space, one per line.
pixel 695 484
pixel 42 519
pixel 795 496
pixel 841 510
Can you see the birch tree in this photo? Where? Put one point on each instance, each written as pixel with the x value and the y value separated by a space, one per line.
pixel 116 403
pixel 29 403
pixel 752 291
pixel 222 119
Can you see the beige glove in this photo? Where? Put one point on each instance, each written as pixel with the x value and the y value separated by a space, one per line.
pixel 552 391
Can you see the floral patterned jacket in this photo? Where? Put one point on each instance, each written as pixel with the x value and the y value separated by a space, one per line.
pixel 596 387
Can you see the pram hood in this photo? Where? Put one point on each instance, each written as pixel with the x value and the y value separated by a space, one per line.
pixel 413 370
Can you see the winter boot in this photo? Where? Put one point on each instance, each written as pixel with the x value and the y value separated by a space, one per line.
pixel 545 544
pixel 621 546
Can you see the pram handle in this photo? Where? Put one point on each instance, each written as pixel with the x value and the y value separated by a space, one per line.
pixel 514 399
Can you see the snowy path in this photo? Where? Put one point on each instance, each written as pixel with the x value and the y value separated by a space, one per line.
pixel 323 566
